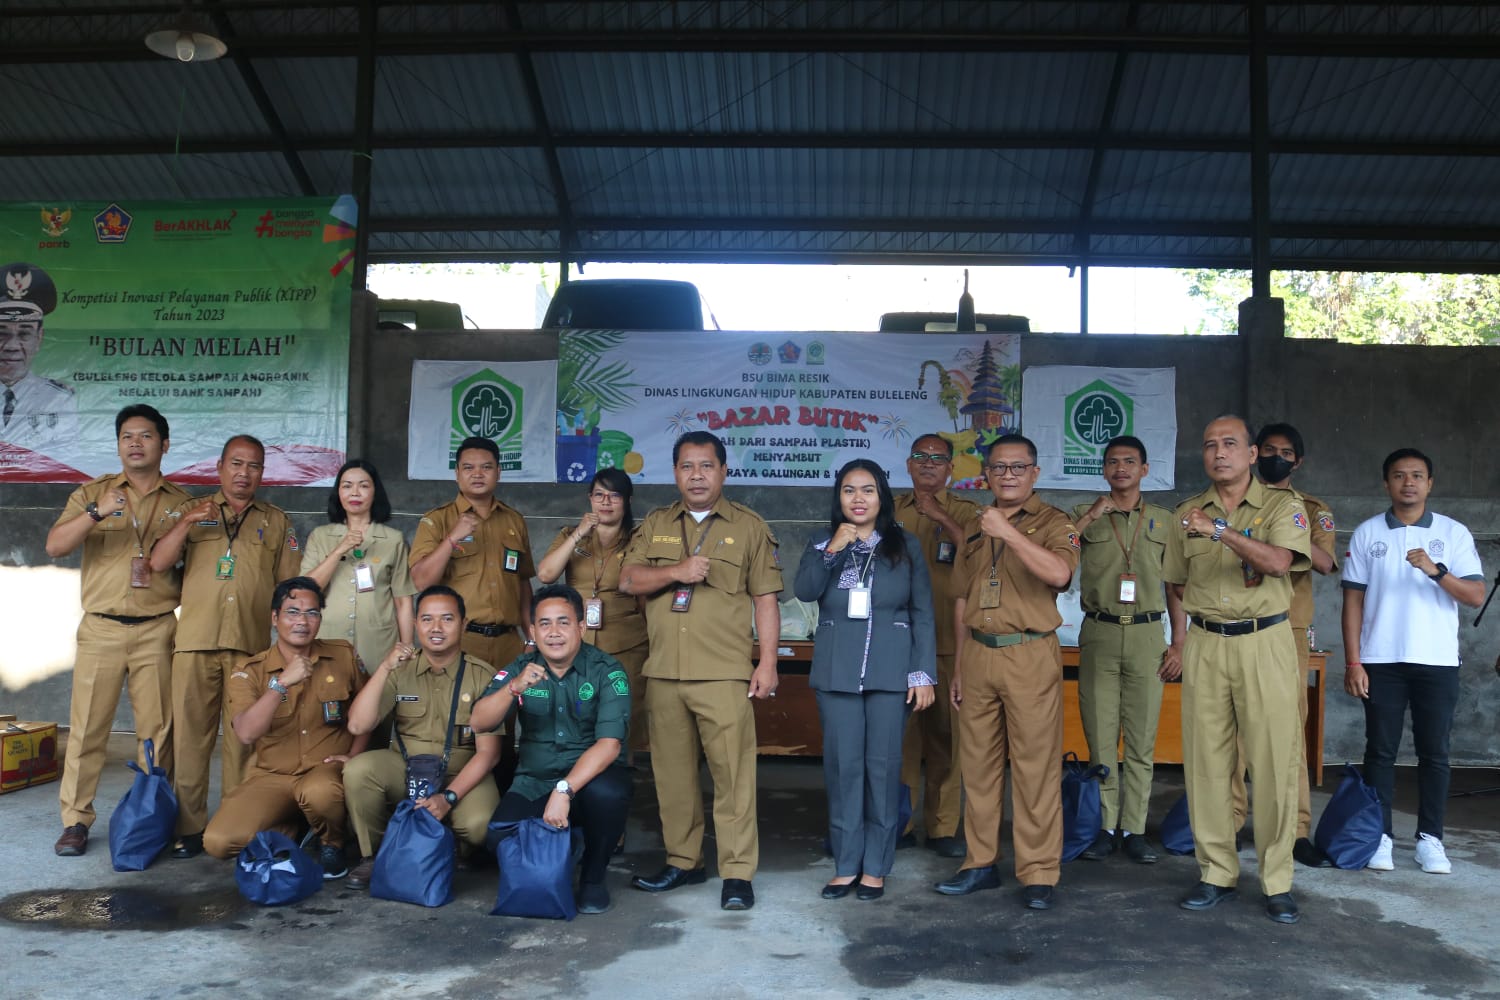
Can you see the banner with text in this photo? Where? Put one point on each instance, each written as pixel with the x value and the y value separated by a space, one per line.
pixel 228 317
pixel 790 408
pixel 1072 412
pixel 511 403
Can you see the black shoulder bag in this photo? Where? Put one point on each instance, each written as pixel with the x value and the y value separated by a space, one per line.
pixel 426 773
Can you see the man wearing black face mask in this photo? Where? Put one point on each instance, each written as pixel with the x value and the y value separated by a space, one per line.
pixel 1281 452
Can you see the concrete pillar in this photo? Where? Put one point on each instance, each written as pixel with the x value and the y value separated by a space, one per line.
pixel 1263 380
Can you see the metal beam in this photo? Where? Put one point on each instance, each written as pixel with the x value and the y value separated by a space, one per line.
pixel 363 167
pixel 568 236
pixel 1260 154
pixel 1096 167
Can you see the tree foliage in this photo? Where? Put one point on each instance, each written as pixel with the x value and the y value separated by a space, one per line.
pixel 1362 307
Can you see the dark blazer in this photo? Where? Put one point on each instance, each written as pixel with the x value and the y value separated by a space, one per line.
pixel 902 638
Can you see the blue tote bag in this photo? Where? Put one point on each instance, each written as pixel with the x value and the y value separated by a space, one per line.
pixel 143 823
pixel 1176 831
pixel 273 871
pixel 1083 812
pixel 415 860
pixel 1351 825
pixel 536 870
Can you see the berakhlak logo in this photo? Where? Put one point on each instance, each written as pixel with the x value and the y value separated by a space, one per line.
pixel 263 226
pixel 488 406
pixel 1091 417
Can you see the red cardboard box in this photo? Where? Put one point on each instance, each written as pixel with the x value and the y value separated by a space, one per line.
pixel 28 754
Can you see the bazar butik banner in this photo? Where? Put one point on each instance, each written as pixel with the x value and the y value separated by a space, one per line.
pixel 228 317
pixel 511 403
pixel 790 408
pixel 1072 412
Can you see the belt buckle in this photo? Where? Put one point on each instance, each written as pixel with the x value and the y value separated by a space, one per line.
pixel 1127 619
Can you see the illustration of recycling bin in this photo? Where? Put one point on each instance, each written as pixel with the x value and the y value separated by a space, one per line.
pixel 613 447
pixel 577 457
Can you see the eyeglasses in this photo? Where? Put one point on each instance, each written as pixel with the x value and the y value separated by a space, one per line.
pixel 926 458
pixel 601 496
pixel 1017 469
pixel 295 613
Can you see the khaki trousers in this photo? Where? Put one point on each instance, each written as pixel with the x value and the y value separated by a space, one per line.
pixel 1304 797
pixel 200 679
pixel 1241 688
pixel 928 761
pixel 714 717
pixel 111 654
pixel 375 781
pixel 634 661
pixel 1012 708
pixel 1119 692
pixel 264 801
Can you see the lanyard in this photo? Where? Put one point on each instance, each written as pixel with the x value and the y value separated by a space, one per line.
pixel 1133 538
pixel 702 536
pixel 238 524
pixel 600 561
pixel 995 553
pixel 140 531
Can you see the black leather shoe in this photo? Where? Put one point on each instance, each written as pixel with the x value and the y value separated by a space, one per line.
pixel 1206 895
pixel 1138 849
pixel 593 897
pixel 869 891
pixel 188 847
pixel 1102 847
pixel 947 847
pixel 1038 897
pixel 970 880
pixel 669 878
pixel 1310 854
pixel 737 895
pixel 835 890
pixel 1282 908
pixel 908 839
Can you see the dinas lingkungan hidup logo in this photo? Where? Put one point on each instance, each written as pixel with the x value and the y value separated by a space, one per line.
pixel 488 406
pixel 1092 416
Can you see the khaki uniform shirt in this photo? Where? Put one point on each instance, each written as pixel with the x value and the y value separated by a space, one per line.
pixel 111 545
pixel 1320 530
pixel 711 640
pixel 493 595
pixel 299 739
pixel 422 698
pixel 233 613
pixel 1217 585
pixel 1026 603
pixel 1143 533
pixel 597 574
pixel 366 619
pixel 931 536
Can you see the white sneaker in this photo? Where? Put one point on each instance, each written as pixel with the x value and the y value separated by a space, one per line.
pixel 1382 861
pixel 1431 856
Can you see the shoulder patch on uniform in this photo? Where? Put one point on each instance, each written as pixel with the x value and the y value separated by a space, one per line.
pixel 1073 539
pixel 619 682
pixel 1300 520
pixel 1325 520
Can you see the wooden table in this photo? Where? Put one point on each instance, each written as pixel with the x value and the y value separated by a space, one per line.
pixel 788 724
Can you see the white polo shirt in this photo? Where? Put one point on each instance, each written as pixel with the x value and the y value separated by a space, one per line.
pixel 1408 618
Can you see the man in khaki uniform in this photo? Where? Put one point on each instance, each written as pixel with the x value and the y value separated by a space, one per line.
pixel 126 632
pixel 937 517
pixel 706 567
pixel 290 704
pixel 1279 453
pixel 1123 656
pixel 421 688
pixel 1229 555
pixel 233 549
pixel 1007 688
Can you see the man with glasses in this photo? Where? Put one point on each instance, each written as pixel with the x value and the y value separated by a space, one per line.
pixel 938 517
pixel 1007 686
pixel 36 413
pixel 233 547
pixel 290 704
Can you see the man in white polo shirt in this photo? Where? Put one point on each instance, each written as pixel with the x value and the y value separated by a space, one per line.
pixel 1405 575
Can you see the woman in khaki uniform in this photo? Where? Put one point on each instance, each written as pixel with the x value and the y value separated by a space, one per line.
pixel 588 559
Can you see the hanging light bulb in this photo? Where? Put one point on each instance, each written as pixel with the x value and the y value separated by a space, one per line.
pixel 186 41
pixel 185 47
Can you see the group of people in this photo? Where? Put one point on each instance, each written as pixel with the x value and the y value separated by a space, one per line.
pixel 936 658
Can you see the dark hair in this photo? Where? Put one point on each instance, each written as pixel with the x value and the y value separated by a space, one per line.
pixel 438 590
pixel 892 541
pixel 617 481
pixel 700 437
pixel 1281 430
pixel 479 443
pixel 285 587
pixel 936 437
pixel 556 592
pixel 142 410
pixel 248 439
pixel 1398 455
pixel 1011 439
pixel 1127 441
pixel 380 507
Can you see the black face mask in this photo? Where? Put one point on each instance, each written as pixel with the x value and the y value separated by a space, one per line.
pixel 1273 468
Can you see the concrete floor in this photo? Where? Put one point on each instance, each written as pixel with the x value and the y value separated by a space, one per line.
pixel 76 928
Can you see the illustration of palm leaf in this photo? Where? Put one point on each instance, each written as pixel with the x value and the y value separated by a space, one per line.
pixel 604 386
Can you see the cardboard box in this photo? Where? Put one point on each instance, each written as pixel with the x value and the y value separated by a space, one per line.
pixel 28 754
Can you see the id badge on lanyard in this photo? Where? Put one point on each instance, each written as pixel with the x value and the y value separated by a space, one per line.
pixel 364 578
pixel 593 613
pixel 1127 588
pixel 859 601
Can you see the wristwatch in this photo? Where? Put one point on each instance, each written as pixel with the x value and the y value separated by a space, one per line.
pixel 1219 525
pixel 451 796
pixel 563 786
pixel 274 684
pixel 92 510
pixel 1442 571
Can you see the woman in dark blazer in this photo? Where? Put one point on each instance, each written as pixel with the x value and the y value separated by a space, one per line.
pixel 874 659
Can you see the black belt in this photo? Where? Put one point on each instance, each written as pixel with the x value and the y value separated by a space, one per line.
pixel 488 631
pixel 1140 619
pixel 1245 627
pixel 1001 641
pixel 132 619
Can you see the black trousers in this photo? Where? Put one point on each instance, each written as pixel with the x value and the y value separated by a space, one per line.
pixel 1432 695
pixel 599 810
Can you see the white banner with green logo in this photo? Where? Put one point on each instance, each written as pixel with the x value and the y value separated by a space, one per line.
pixel 1072 412
pixel 511 403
